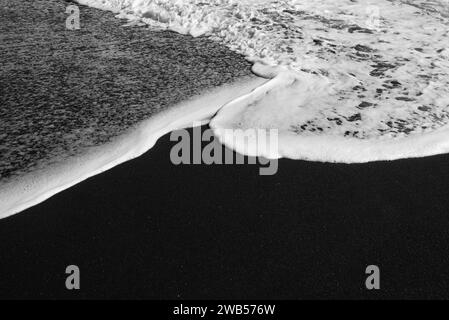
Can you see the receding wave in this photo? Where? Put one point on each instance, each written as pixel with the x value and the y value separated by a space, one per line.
pixel 76 103
pixel 350 81
pixel 361 80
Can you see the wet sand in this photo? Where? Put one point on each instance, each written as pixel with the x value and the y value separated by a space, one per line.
pixel 150 229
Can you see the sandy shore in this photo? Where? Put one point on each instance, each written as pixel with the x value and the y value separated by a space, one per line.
pixel 78 102
pixel 150 229
pixel 39 185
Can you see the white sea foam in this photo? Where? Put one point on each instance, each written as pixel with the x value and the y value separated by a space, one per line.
pixel 353 80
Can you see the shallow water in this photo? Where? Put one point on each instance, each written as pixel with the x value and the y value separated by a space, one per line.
pixel 357 70
pixel 74 103
pixel 63 91
pixel 351 81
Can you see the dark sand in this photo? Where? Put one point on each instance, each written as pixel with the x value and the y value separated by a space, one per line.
pixel 149 229
pixel 64 91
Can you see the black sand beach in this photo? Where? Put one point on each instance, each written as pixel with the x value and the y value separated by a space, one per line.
pixel 150 229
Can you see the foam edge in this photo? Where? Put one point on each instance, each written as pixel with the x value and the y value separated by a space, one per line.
pixel 320 148
pixel 34 188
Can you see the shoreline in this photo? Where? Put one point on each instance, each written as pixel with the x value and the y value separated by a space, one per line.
pixel 150 229
pixel 321 147
pixel 79 102
pixel 115 199
pixel 26 191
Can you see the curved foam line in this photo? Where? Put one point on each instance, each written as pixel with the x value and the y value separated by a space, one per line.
pixel 36 187
pixel 322 148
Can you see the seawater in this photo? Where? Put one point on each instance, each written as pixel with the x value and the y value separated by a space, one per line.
pixel 352 81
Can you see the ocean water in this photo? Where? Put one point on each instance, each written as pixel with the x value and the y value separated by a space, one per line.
pixel 74 103
pixel 339 81
pixel 352 80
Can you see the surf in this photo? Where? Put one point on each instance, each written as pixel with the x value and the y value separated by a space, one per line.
pixel 352 81
pixel 347 82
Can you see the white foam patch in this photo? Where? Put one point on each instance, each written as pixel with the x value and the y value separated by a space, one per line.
pixel 256 110
pixel 367 72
